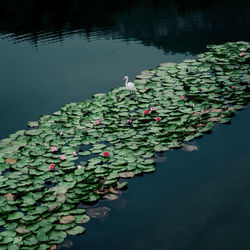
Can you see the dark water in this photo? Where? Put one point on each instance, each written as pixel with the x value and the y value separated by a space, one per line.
pixel 54 52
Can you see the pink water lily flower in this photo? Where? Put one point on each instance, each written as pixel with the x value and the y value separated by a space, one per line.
pixel 242 54
pixel 52 166
pixel 79 167
pixel 153 109
pixel 158 118
pixel 54 149
pixel 243 49
pixel 63 157
pixel 146 112
pixel 74 153
pixel 233 87
pixel 96 122
pixel 105 154
pixel 129 121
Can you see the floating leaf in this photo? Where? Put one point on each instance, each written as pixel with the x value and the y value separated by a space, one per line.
pixel 85 153
pixel 22 230
pixel 110 197
pixel 15 216
pixel 13 247
pixel 33 124
pixel 82 218
pixel 10 161
pixel 9 196
pixel 54 206
pixel 57 235
pixel 121 185
pixel 127 174
pixel 67 219
pixel 42 236
pixel 112 190
pixel 76 230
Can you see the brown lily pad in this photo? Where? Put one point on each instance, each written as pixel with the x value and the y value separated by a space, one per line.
pixel 167 64
pixel 67 219
pixel 101 191
pixel 128 174
pixel 199 125
pixel 146 73
pixel 10 161
pixel 22 230
pixel 61 197
pixel 113 191
pixel 214 119
pixel 110 197
pixel 9 196
pixel 216 110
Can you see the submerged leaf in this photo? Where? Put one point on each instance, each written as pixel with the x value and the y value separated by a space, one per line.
pixel 98 212
pixel 189 148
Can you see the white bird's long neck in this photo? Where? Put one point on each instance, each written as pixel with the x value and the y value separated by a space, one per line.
pixel 126 82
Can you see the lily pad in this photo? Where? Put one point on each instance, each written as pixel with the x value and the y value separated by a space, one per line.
pixel 67 219
pixel 76 230
pixel 22 230
pixel 127 174
pixel 110 197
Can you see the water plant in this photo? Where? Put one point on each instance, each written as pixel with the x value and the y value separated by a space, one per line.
pixel 79 153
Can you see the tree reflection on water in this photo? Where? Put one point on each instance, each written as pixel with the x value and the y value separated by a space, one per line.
pixel 179 25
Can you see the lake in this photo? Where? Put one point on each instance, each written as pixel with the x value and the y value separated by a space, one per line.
pixel 61 52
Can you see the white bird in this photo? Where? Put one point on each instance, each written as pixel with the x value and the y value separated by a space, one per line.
pixel 129 85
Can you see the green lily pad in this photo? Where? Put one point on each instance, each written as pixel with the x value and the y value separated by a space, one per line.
pixel 76 230
pixel 15 216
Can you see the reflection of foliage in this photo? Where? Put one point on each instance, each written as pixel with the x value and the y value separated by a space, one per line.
pixel 159 23
pixel 39 205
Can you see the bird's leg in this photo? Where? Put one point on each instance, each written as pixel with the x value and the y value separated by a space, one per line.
pixel 134 96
